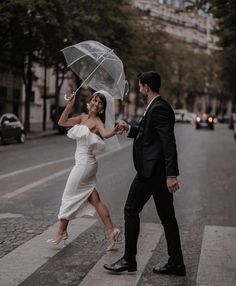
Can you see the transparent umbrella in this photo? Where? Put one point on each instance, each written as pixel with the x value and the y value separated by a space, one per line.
pixel 98 67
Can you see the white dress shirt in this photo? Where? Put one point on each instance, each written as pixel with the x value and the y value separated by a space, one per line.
pixel 145 109
pixel 150 103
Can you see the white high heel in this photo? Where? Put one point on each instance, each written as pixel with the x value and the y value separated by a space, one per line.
pixel 61 238
pixel 113 236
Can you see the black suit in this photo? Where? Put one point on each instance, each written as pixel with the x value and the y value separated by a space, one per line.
pixel 155 158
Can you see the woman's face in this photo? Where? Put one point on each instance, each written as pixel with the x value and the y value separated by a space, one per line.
pixel 96 104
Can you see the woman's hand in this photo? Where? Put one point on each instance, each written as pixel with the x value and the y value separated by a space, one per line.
pixel 64 120
pixel 123 125
pixel 118 130
pixel 71 100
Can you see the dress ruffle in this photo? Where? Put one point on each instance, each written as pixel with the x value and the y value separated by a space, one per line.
pixel 80 131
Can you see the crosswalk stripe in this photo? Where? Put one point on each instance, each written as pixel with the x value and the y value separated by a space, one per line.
pixel 16 266
pixel 150 235
pixel 217 264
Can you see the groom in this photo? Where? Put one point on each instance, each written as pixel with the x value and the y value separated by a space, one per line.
pixel 155 160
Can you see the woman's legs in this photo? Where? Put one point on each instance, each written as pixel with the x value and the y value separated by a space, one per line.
pixel 61 232
pixel 104 214
pixel 101 209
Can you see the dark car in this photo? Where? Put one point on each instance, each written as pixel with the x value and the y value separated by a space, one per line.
pixel 232 120
pixel 234 130
pixel 11 129
pixel 204 121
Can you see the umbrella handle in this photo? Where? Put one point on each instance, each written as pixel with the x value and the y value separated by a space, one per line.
pixel 73 93
pixel 66 98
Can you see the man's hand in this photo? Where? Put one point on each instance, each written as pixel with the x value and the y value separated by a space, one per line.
pixel 118 130
pixel 123 125
pixel 172 184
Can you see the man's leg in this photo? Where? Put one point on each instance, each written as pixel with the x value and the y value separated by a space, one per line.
pixel 165 208
pixel 139 193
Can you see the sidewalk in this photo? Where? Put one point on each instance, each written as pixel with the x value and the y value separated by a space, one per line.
pixel 36 131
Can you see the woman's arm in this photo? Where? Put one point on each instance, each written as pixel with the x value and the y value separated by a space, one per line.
pixel 107 133
pixel 64 120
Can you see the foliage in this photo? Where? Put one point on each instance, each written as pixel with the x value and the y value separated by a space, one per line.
pixel 225 14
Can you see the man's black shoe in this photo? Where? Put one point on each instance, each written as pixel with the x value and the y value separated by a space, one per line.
pixel 121 265
pixel 170 269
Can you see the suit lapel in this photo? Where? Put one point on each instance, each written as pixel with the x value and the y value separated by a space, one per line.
pixel 142 122
pixel 153 102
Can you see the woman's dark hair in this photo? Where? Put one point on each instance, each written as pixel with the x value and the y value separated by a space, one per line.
pixel 152 79
pixel 102 115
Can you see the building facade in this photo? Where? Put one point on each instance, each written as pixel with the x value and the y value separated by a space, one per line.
pixel 194 28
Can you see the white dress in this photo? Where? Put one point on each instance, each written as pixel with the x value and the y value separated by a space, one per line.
pixel 82 179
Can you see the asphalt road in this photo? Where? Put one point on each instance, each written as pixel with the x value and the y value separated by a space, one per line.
pixel 33 175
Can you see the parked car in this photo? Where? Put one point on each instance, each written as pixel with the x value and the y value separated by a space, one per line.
pixel 234 130
pixel 11 129
pixel 232 119
pixel 184 116
pixel 204 121
pixel 223 118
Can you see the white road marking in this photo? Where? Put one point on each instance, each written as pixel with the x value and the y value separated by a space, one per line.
pixel 35 167
pixel 150 235
pixel 48 178
pixel 19 264
pixel 217 264
pixel 10 215
pixel 35 184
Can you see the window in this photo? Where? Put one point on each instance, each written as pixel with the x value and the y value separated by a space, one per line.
pixel 3 92
pixel 3 98
pixel 16 101
pixel 12 119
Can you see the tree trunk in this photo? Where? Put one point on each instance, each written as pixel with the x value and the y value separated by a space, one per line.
pixel 45 96
pixel 28 93
pixel 56 102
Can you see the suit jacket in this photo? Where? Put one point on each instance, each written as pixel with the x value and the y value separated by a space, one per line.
pixel 154 141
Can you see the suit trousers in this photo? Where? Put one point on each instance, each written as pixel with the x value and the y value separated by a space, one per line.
pixel 140 191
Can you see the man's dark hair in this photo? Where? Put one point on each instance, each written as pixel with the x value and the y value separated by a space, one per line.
pixel 152 79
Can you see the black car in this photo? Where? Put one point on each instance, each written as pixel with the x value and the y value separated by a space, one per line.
pixel 232 120
pixel 204 121
pixel 234 130
pixel 11 129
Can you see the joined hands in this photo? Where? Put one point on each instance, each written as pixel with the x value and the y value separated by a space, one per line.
pixel 121 127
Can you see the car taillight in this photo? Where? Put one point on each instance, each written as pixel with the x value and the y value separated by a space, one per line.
pixel 210 119
pixel 198 119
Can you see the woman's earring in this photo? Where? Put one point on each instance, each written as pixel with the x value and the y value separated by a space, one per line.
pixel 88 106
pixel 101 112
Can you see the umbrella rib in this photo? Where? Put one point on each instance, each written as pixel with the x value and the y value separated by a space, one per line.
pixel 97 56
pixel 93 70
pixel 76 60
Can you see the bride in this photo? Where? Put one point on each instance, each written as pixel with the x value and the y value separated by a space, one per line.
pixel 80 196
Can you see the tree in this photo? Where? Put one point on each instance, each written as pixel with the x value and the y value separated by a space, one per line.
pixel 225 14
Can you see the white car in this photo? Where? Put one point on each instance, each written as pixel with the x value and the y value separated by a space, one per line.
pixel 183 115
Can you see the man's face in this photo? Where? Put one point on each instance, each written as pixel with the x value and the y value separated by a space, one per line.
pixel 143 90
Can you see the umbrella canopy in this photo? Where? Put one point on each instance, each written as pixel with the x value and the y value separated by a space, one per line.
pixel 97 66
